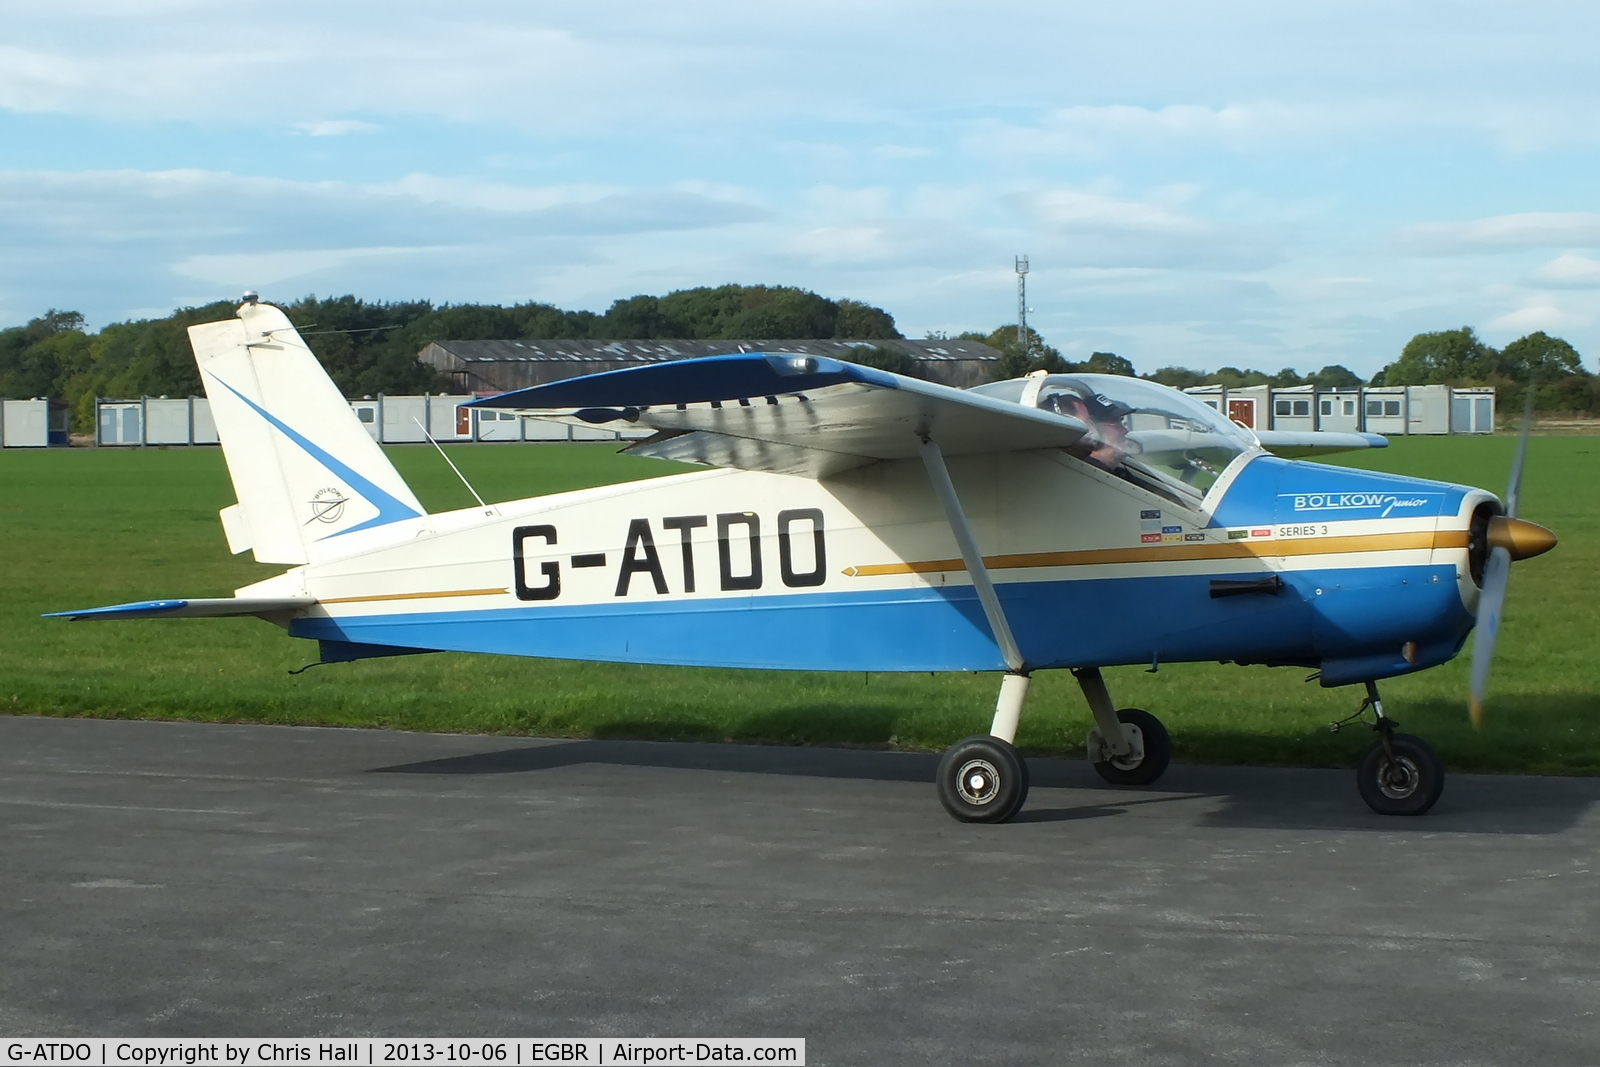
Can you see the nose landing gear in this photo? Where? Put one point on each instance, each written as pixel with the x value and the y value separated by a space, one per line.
pixel 1400 774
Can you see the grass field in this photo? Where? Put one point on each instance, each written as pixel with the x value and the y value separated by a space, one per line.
pixel 84 527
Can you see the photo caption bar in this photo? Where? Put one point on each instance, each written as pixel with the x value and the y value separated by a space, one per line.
pixel 377 1052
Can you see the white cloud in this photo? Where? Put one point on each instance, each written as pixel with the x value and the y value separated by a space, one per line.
pixel 1076 211
pixel 257 269
pixel 1540 313
pixel 1534 229
pixel 105 242
pixel 1568 271
pixel 336 127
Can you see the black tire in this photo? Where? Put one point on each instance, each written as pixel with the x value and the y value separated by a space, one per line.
pixel 982 779
pixel 1409 785
pixel 1157 751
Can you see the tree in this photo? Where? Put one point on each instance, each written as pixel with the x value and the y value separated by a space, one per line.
pixel 858 321
pixel 1107 363
pixel 1017 359
pixel 1538 357
pixel 1334 376
pixel 1179 377
pixel 641 318
pixel 1448 357
pixel 1234 378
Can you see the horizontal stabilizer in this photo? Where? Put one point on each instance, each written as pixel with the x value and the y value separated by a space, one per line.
pixel 215 608
pixel 1295 444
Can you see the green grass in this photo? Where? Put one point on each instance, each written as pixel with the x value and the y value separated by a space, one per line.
pixel 84 527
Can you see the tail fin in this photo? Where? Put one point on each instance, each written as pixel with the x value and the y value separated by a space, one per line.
pixel 304 469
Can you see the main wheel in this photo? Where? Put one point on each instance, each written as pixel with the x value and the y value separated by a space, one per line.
pixel 1409 784
pixel 982 779
pixel 1154 750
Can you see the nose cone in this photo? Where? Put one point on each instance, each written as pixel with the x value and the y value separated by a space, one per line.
pixel 1519 537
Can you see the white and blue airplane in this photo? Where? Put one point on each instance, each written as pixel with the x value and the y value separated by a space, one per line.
pixel 857 520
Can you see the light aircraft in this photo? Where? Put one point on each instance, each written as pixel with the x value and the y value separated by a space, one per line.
pixel 857 520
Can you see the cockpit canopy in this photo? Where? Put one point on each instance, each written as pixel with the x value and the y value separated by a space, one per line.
pixel 1167 437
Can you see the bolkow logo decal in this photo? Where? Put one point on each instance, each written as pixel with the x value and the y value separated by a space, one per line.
pixel 1382 503
pixel 327 505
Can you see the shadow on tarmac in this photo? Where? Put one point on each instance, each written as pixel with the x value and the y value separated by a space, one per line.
pixel 1264 797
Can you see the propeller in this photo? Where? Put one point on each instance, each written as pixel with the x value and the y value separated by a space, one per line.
pixel 1508 538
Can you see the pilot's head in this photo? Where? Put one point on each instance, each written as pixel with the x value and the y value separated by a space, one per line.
pixel 1106 441
pixel 1075 397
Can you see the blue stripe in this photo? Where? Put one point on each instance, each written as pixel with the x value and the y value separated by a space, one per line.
pixel 131 611
pixel 389 508
pixel 1097 622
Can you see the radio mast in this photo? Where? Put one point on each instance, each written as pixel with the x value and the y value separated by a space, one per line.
pixel 1023 341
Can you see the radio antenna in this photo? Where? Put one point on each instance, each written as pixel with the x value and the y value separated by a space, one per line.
pixel 448 460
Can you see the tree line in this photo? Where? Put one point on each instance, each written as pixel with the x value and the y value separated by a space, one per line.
pixel 1550 365
pixel 371 347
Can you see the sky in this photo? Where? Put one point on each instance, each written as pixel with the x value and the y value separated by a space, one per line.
pixel 1195 183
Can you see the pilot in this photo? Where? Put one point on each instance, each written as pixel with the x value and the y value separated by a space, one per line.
pixel 1106 443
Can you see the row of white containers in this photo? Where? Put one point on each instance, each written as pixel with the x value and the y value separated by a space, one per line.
pixel 389 419
pixel 1391 410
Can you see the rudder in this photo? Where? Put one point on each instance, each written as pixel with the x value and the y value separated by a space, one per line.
pixel 304 470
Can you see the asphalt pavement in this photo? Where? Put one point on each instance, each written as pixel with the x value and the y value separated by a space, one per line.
pixel 176 879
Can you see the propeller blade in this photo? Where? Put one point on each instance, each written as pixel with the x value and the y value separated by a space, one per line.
pixel 1514 486
pixel 1491 601
pixel 1497 573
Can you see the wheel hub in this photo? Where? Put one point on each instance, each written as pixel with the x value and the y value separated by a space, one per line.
pixel 978 782
pixel 1399 778
pixel 1135 754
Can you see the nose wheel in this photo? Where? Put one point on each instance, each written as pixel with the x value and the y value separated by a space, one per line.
pixel 1400 774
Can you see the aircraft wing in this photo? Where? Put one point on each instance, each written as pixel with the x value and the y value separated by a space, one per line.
pixel 214 608
pixel 1293 444
pixel 805 415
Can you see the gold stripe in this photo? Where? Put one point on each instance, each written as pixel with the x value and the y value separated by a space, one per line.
pixel 410 596
pixel 1307 546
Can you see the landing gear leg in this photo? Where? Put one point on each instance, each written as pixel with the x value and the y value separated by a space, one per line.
pixel 984 778
pixel 1400 774
pixel 1127 746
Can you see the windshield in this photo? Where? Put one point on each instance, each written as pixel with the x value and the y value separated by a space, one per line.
pixel 1134 425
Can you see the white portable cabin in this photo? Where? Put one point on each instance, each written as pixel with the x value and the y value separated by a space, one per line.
pixel 1383 410
pixel 154 420
pixel 1294 409
pixel 1247 406
pixel 400 419
pixel 1339 410
pixel 25 423
pixel 1472 411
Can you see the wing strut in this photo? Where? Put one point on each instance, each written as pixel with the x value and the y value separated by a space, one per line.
pixel 1014 687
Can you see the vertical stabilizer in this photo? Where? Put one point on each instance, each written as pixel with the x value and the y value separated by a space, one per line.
pixel 305 470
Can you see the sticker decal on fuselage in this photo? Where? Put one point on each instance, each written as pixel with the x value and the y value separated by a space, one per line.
pixel 640 570
pixel 1361 505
